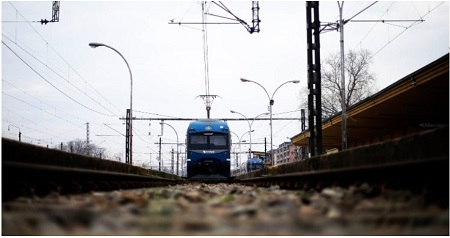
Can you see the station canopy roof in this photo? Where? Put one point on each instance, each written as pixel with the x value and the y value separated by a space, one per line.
pixel 416 102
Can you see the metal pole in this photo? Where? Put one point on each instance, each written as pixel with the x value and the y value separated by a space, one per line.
pixel 250 150
pixel 271 134
pixel 172 170
pixel 343 104
pixel 20 133
pixel 271 101
pixel 160 159
pixel 249 128
pixel 176 133
pixel 95 45
pixel 265 150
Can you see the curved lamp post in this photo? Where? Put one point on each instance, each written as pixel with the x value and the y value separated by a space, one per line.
pixel 20 133
pixel 249 127
pixel 163 123
pixel 95 45
pixel 271 102
pixel 240 140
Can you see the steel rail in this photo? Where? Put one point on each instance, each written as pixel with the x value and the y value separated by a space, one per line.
pixel 26 179
pixel 429 177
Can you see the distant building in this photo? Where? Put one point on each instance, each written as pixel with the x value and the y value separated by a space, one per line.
pixel 288 152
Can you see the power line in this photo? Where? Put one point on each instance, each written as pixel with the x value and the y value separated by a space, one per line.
pixel 350 19
pixel 70 67
pixel 62 77
pixel 388 22
pixel 42 101
pixel 65 94
pixel 42 132
pixel 406 28
pixel 65 61
pixel 156 114
pixel 375 25
pixel 45 111
pixel 18 99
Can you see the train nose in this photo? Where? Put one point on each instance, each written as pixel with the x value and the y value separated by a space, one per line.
pixel 209 165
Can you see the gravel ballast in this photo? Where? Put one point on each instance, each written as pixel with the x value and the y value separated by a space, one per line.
pixel 227 209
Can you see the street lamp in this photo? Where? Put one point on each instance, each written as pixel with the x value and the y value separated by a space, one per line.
pixel 249 127
pixel 163 123
pixel 271 102
pixel 20 133
pixel 130 129
pixel 239 143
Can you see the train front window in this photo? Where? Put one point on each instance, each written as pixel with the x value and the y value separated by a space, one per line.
pixel 199 139
pixel 214 141
pixel 218 140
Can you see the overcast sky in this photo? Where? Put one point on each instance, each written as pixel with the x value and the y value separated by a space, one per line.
pixel 53 83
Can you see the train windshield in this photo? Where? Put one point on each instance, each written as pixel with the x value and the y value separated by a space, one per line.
pixel 212 141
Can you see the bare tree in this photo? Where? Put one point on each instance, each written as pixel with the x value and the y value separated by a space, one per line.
pixel 360 82
pixel 117 157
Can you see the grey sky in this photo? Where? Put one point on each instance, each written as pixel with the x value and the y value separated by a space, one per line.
pixel 168 69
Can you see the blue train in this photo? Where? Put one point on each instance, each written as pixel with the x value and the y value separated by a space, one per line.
pixel 208 144
pixel 255 163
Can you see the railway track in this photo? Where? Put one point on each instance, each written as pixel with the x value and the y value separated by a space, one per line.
pixel 411 174
pixel 400 197
pixel 24 179
pixel 29 170
pixel 418 163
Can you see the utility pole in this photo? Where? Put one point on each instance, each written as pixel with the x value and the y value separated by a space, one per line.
pixel 55 14
pixel 303 127
pixel 173 155
pixel 265 151
pixel 87 133
pixel 343 104
pixel 339 26
pixel 160 159
pixel 128 152
pixel 314 78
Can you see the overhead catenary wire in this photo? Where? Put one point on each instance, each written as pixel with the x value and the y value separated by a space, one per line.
pixel 45 111
pixel 59 90
pixel 406 28
pixel 49 105
pixel 40 75
pixel 62 58
pixel 59 75
pixel 56 133
pixel 34 64
pixel 36 130
pixel 62 77
pixel 66 79
pixel 205 50
pixel 42 102
pixel 29 104
pixel 371 29
pixel 156 114
pixel 388 22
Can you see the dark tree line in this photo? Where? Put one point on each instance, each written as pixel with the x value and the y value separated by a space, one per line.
pixel 81 147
